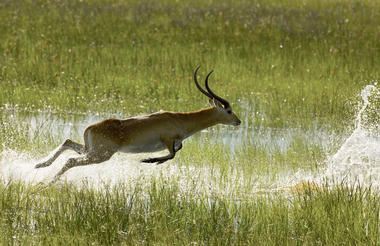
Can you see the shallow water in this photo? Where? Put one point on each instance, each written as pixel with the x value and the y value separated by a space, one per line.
pixel 356 161
pixel 63 126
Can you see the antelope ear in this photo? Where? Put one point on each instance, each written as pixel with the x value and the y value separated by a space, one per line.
pixel 218 105
pixel 212 102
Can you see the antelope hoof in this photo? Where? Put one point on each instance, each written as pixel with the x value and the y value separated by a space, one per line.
pixel 43 164
pixel 153 160
pixel 149 160
pixel 160 162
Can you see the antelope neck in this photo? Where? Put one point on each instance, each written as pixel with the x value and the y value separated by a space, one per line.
pixel 198 120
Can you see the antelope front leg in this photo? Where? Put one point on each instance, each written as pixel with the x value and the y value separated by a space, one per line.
pixel 159 160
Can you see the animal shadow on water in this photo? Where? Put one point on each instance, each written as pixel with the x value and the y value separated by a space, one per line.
pixel 149 133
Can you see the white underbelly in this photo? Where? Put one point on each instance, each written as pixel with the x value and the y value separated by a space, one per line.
pixel 152 147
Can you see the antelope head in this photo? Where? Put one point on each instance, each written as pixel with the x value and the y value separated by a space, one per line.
pixel 224 110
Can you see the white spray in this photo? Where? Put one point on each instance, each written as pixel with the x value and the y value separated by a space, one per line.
pixel 358 159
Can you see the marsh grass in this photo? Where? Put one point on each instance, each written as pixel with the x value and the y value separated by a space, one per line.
pixel 163 214
pixel 293 63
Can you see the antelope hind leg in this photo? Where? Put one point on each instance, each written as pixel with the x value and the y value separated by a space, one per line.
pixel 82 161
pixel 68 144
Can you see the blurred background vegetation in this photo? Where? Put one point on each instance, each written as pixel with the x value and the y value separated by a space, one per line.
pixel 293 63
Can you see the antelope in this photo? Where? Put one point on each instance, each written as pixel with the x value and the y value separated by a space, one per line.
pixel 155 132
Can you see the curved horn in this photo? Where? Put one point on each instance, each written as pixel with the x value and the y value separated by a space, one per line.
pixel 197 84
pixel 221 100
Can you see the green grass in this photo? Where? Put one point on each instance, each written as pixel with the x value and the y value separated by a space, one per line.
pixel 163 214
pixel 294 62
pixel 292 70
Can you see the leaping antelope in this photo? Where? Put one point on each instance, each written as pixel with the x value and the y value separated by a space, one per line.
pixel 148 133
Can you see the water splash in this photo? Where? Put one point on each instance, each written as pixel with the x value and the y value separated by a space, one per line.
pixel 123 169
pixel 358 159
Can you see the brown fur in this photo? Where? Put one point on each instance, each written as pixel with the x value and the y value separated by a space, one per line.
pixel 148 133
